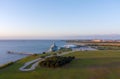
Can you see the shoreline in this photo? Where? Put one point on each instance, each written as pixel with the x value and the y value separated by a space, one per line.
pixel 13 61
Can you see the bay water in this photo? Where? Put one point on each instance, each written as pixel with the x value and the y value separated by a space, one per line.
pixel 30 46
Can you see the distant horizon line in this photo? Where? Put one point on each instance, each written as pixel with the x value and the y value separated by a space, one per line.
pixel 51 39
pixel 77 37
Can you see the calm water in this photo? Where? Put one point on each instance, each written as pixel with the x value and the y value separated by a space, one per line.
pixel 33 46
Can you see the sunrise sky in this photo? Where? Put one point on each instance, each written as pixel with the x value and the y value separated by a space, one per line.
pixel 58 18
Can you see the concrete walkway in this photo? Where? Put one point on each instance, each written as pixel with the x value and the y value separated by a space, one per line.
pixel 36 62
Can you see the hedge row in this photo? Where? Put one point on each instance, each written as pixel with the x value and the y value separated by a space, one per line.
pixel 55 61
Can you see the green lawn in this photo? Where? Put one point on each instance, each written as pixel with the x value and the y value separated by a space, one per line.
pixel 87 65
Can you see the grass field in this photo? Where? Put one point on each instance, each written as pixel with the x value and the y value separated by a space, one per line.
pixel 104 64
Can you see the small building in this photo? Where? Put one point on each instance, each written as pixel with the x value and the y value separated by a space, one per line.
pixel 97 40
pixel 53 47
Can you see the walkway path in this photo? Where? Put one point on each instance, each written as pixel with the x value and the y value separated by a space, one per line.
pixel 23 68
pixel 36 62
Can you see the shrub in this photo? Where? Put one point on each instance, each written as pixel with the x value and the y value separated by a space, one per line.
pixel 44 53
pixel 59 52
pixel 35 55
pixel 42 56
pixel 55 54
pixel 55 61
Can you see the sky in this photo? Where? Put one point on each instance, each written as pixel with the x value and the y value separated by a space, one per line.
pixel 58 18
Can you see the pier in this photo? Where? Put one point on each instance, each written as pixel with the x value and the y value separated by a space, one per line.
pixel 20 53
